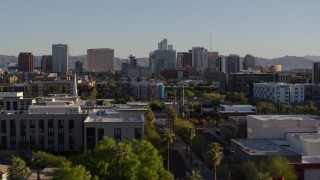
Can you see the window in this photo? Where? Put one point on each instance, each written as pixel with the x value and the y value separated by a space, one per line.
pixel 117 134
pixel 3 144
pixel 50 126
pixel 32 126
pixel 60 126
pixel 41 141
pixel 3 126
pixel 71 142
pixel 100 134
pixel 32 141
pixel 71 126
pixel 137 133
pixel 41 126
pixel 23 128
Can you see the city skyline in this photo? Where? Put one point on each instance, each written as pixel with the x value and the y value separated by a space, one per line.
pixel 264 29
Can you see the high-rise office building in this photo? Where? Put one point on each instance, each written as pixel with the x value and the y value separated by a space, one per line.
pixel 100 60
pixel 133 61
pixel 212 61
pixel 276 68
pixel 78 66
pixel 163 58
pixel 184 59
pixel 46 64
pixel 26 62
pixel 60 58
pixel 200 58
pixel 232 63
pixel 249 62
pixel 316 72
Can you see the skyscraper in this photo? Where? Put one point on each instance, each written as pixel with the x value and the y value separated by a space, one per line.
pixel 212 61
pixel 100 60
pixel 163 58
pixel 25 62
pixel 232 63
pixel 46 63
pixel 133 61
pixel 60 58
pixel 184 59
pixel 249 62
pixel 316 73
pixel 200 58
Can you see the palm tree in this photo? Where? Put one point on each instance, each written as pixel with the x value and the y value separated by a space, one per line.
pixel 18 169
pixel 194 175
pixel 190 133
pixel 186 110
pixel 172 117
pixel 149 116
pixel 215 155
pixel 168 136
pixel 37 162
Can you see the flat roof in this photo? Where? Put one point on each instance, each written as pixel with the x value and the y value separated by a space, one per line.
pixel 263 147
pixel 310 137
pixel 310 159
pixel 110 116
pixel 284 117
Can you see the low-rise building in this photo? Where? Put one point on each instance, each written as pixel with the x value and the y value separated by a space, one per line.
pixel 114 124
pixel 277 126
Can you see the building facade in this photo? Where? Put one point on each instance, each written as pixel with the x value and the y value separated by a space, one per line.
pixel 100 60
pixel 279 92
pixel 25 62
pixel 316 72
pixel 200 58
pixel 163 58
pixel 212 61
pixel 232 63
pixel 60 58
pixel 46 64
pixel 249 62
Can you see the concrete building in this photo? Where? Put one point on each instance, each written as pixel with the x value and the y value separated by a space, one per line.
pixel 14 101
pixel 249 62
pixel 279 92
pixel 60 58
pixel 100 60
pixel 184 60
pixel 114 124
pixel 308 144
pixel 46 64
pixel 257 150
pixel 133 61
pixel 212 61
pixel 276 68
pixel 78 66
pixel 200 58
pixel 316 72
pixel 232 63
pixel 277 126
pixel 25 62
pixel 163 58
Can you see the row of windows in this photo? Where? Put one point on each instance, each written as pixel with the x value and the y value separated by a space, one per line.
pixel 32 126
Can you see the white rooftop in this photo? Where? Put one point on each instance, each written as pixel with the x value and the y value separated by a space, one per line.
pixel 284 117
pixel 310 159
pixel 110 116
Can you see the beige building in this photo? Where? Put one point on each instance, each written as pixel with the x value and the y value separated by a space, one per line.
pixel 277 126
pixel 120 124
pixel 100 60
pixel 276 68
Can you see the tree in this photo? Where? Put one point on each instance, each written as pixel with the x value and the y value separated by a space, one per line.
pixel 149 116
pixel 168 136
pixel 194 175
pixel 189 132
pixel 172 117
pixel 185 110
pixel 66 171
pixel 151 163
pixel 265 108
pixel 273 167
pixel 18 169
pixel 215 156
pixel 124 163
pixel 299 110
pixel 285 108
pixel 37 162
pixel 155 106
pixel 93 94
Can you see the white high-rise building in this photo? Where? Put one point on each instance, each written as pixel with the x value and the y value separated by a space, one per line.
pixel 100 60
pixel 200 58
pixel 60 58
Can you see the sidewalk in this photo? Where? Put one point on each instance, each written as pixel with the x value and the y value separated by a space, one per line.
pixel 197 165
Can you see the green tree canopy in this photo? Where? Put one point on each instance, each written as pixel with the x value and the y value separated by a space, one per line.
pixel 266 108
pixel 155 106
pixel 18 168
pixel 66 171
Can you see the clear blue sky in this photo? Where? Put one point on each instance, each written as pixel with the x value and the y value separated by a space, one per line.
pixel 264 28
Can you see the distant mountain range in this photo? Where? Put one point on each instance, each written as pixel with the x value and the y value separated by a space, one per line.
pixel 287 62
